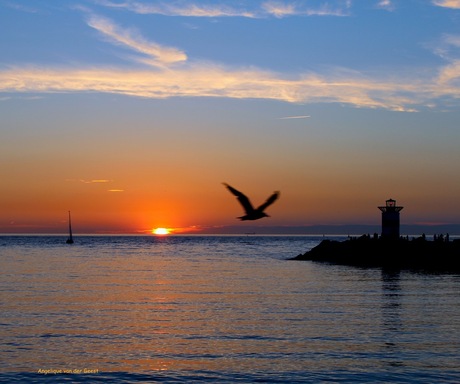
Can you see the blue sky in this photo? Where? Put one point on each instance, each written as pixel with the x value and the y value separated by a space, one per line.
pixel 383 54
pixel 339 104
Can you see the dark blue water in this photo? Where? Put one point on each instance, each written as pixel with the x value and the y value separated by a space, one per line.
pixel 217 309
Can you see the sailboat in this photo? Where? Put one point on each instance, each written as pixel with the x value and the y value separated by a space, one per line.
pixel 70 239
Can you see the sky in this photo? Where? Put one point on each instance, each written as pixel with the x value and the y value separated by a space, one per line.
pixel 131 113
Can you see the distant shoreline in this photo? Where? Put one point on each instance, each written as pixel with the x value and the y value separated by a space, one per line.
pixel 319 236
pixel 248 229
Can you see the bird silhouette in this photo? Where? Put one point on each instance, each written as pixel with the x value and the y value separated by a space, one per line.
pixel 251 213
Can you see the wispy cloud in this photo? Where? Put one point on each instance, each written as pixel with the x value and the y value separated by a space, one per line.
pixel 8 98
pixel 455 4
pixel 279 9
pixel 213 81
pixel 294 117
pixel 156 54
pixel 173 76
pixel 98 181
pixel 387 5
pixel 172 8
pixel 285 9
pixel 450 76
pixel 95 181
pixel 452 40
pixel 20 7
pixel 258 9
pixel 446 47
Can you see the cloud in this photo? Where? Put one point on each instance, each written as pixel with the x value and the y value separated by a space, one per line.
pixel 278 9
pixel 455 4
pixel 447 47
pixel 179 9
pixel 157 55
pixel 265 9
pixel 95 181
pixel 294 117
pixel 172 75
pixel 284 9
pixel 452 40
pixel 20 7
pixel 204 80
pixel 8 98
pixel 450 76
pixel 386 4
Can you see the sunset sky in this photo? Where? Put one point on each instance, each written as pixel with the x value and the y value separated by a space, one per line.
pixel 131 114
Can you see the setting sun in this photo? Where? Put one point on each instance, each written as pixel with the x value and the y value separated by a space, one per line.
pixel 161 231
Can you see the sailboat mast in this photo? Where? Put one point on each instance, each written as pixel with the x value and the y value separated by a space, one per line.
pixel 70 239
pixel 70 227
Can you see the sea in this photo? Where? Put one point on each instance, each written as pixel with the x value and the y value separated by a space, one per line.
pixel 217 309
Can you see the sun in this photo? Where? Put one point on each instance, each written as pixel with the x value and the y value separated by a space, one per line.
pixel 161 231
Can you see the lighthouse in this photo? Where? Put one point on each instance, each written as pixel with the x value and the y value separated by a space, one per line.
pixel 390 219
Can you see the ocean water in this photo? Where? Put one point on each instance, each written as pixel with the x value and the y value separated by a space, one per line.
pixel 228 309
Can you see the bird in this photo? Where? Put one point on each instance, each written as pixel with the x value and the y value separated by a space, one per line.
pixel 250 212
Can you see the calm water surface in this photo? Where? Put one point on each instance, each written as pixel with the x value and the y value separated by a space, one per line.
pixel 217 309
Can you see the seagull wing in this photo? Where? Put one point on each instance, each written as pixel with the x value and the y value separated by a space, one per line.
pixel 269 201
pixel 242 198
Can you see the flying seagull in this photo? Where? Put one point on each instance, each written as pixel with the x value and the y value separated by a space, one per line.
pixel 251 213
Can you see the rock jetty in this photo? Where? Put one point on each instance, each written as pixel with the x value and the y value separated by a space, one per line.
pixel 439 255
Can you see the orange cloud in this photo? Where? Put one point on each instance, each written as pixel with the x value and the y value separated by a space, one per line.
pixel 95 181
